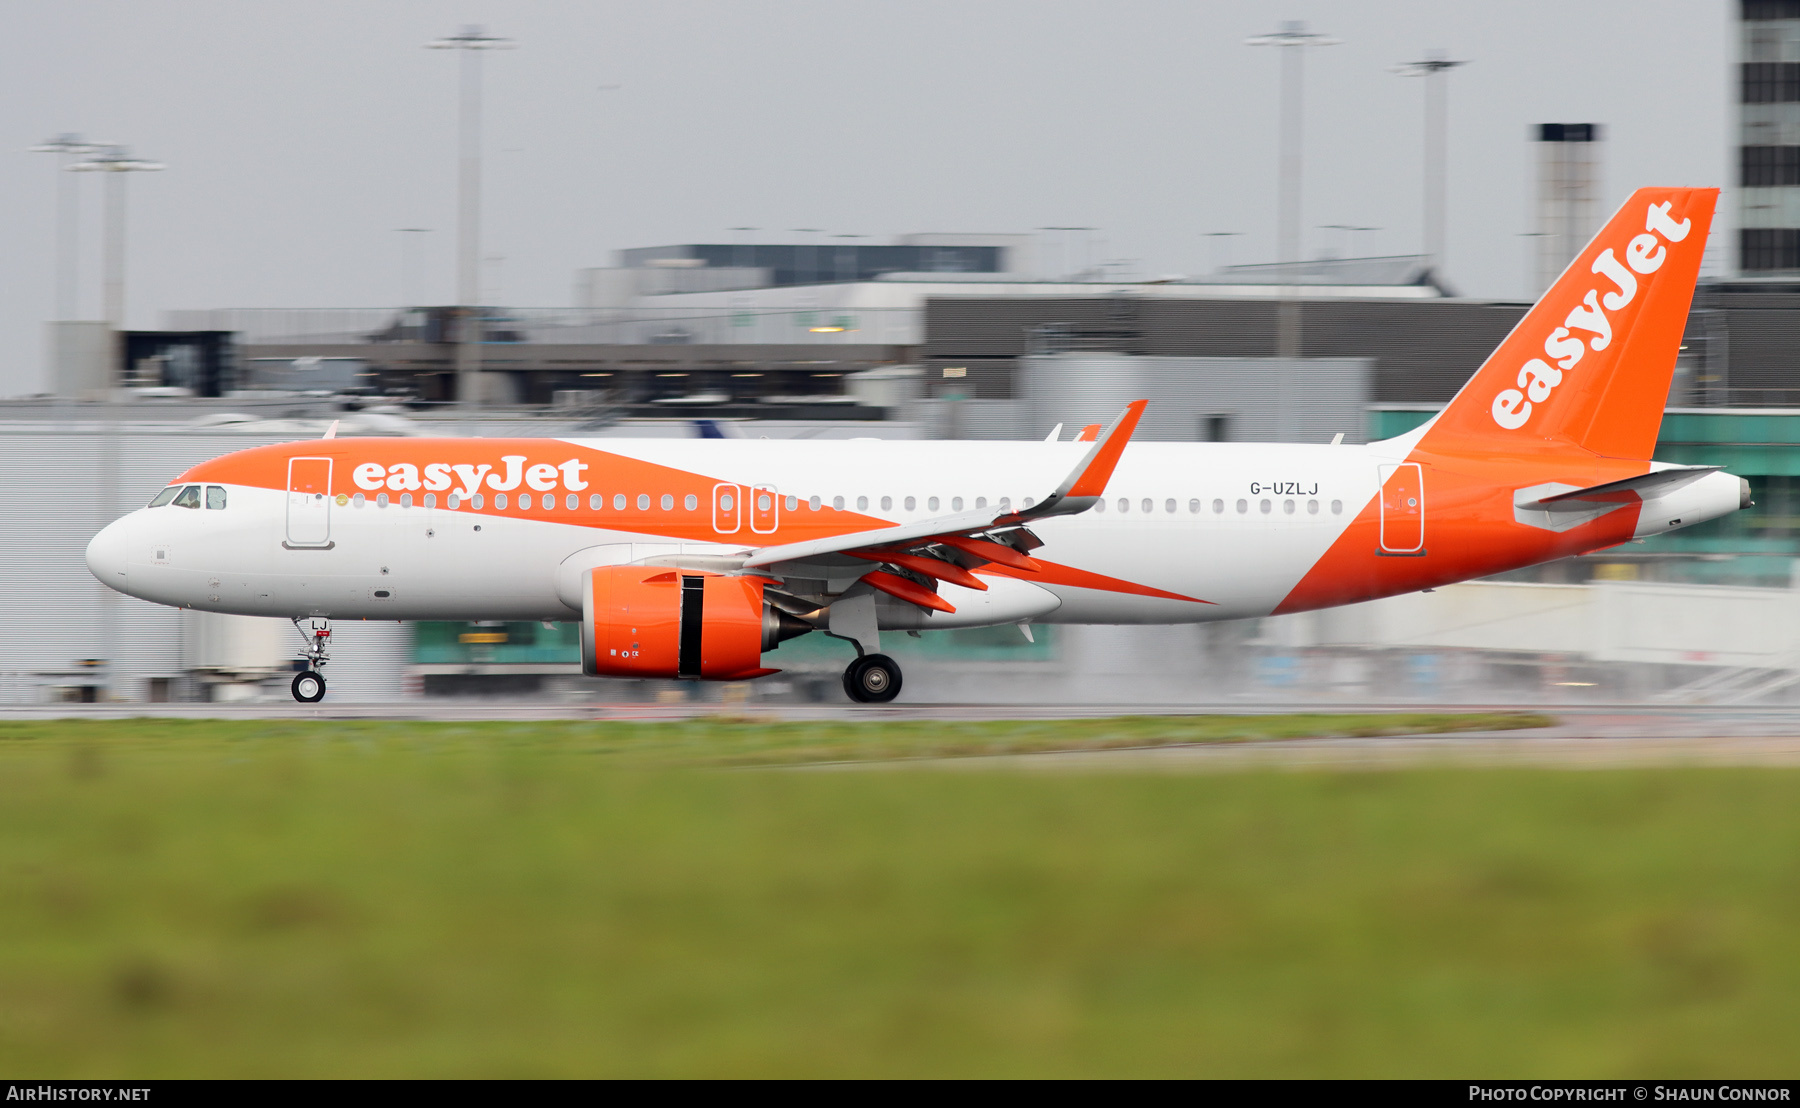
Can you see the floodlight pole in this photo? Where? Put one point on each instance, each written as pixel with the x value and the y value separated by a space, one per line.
pixel 69 146
pixel 1437 142
pixel 1293 38
pixel 115 162
pixel 470 41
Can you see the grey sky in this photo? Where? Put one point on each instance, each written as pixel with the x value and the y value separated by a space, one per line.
pixel 299 136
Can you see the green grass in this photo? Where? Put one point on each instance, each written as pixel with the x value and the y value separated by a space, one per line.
pixel 211 898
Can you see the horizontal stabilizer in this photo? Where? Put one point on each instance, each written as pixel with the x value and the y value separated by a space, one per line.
pixel 1644 486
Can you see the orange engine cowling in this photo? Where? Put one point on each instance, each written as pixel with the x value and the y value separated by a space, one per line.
pixel 653 621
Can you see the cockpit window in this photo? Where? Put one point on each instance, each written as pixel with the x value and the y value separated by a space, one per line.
pixel 165 496
pixel 189 498
pixel 215 497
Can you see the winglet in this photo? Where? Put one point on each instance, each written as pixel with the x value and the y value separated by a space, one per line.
pixel 1087 483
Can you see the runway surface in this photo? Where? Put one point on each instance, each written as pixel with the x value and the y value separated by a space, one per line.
pixel 1588 736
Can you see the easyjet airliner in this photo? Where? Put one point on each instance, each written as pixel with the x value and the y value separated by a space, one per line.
pixel 696 559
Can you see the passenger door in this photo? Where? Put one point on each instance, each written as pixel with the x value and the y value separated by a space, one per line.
pixel 309 503
pixel 1402 509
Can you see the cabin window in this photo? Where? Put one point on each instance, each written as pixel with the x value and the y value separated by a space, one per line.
pixel 1243 506
pixel 618 501
pixel 1337 507
pixel 956 503
pixel 668 502
pixel 1006 503
pixel 165 496
pixel 381 500
pixel 1124 505
pixel 1218 507
pixel 1028 502
pixel 479 500
pixel 190 497
pixel 1100 506
pixel 1287 506
pixel 406 500
pixel 595 501
pixel 862 503
pixel 1169 506
pixel 911 503
pixel 499 500
pixel 1312 507
pixel 813 503
pixel 453 501
pixel 887 503
pixel 793 503
pixel 1266 505
pixel 932 504
pixel 837 502
pixel 981 502
pixel 1148 505
pixel 359 500
pixel 431 500
pixel 643 501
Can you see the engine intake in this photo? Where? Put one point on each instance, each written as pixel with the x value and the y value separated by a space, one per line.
pixel 652 621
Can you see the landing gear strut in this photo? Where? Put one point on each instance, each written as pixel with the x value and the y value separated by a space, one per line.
pixel 309 683
pixel 872 679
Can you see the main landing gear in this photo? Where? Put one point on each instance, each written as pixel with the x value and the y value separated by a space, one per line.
pixel 872 679
pixel 309 683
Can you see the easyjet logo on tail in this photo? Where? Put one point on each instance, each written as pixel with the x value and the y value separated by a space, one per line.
pixel 1564 348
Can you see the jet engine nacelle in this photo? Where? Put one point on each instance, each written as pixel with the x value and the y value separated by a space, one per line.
pixel 653 621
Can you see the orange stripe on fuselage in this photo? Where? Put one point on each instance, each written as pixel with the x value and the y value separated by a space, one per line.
pixel 1470 530
pixel 605 473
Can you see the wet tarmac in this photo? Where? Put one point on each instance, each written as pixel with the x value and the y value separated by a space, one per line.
pixel 1589 736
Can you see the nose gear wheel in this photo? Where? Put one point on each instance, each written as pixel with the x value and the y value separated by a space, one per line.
pixel 308 687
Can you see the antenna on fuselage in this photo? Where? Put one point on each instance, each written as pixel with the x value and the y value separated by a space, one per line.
pixel 331 431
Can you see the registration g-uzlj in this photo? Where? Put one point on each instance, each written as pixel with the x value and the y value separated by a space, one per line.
pixel 696 559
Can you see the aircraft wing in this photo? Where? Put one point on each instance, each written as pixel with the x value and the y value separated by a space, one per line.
pixel 910 558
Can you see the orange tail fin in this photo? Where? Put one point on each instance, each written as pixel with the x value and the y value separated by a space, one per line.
pixel 1589 366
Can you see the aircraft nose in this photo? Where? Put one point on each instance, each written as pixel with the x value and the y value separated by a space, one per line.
pixel 108 553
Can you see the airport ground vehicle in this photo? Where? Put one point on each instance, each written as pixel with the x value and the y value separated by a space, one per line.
pixel 694 558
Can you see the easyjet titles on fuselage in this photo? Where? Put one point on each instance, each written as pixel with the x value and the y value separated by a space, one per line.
pixel 1644 255
pixel 440 476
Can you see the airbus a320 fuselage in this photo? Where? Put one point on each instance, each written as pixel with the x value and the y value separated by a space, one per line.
pixel 695 558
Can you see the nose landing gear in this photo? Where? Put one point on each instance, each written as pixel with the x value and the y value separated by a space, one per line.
pixel 309 683
pixel 872 679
